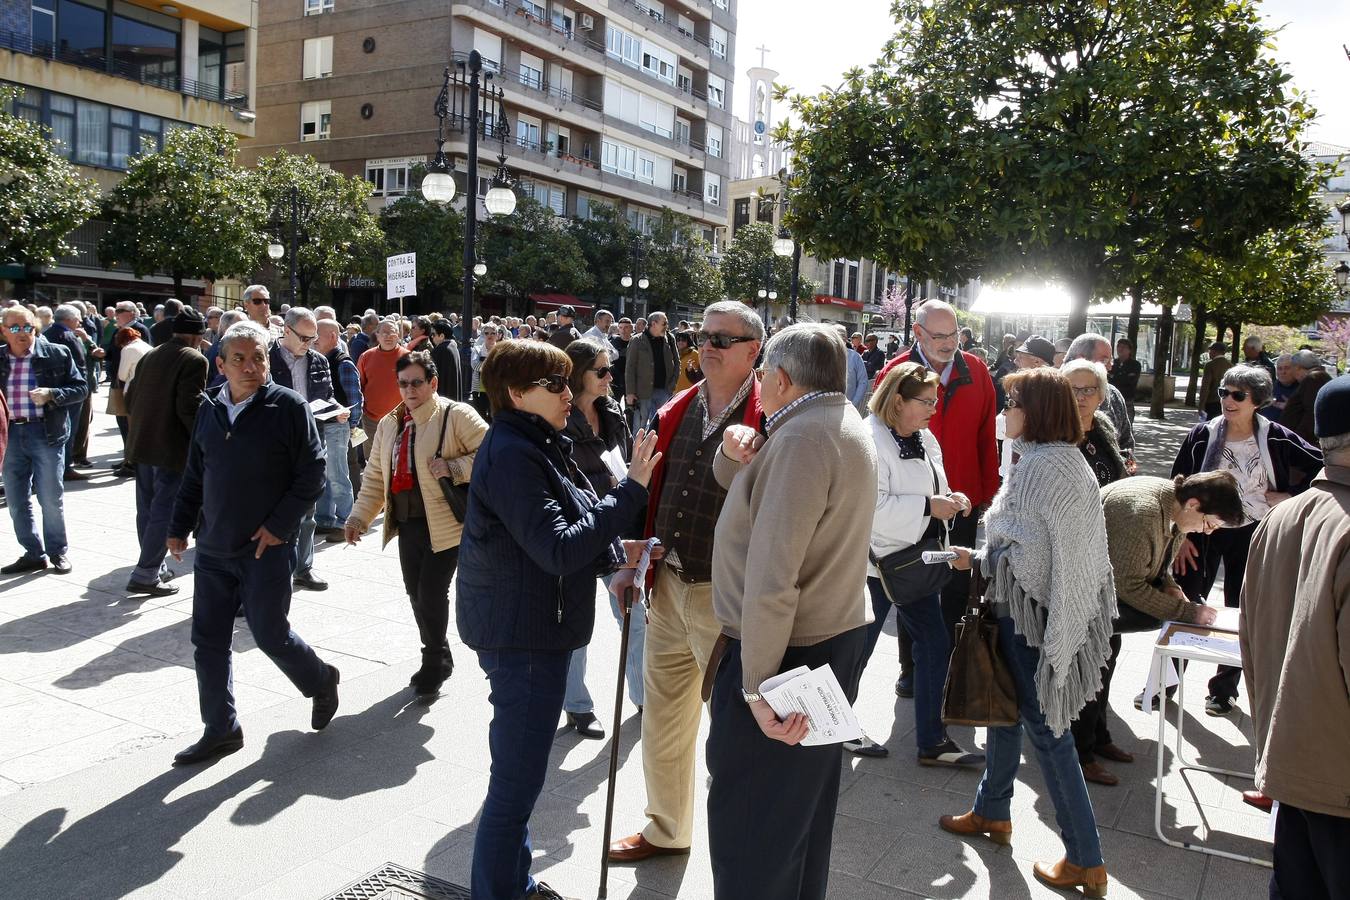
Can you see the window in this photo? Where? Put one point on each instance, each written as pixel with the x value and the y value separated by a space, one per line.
pixel 740 213
pixel 389 177
pixel 721 4
pixel 685 83
pixel 647 170
pixel 146 43
pixel 717 41
pixel 714 141
pixel 589 204
pixel 527 133
pixel 562 20
pixel 618 158
pixel 92 134
pixel 852 281
pixel 712 189
pixel 28 105
pixel 63 124
pixel 655 116
pixel 659 62
pixel 123 129
pixel 44 26
pixel 623 46
pixel 765 211
pixel 489 46
pixel 318 61
pixel 681 131
pixel 533 10
pixel 531 71
pixel 679 181
pixel 315 7
pixel 79 31
pixel 685 25
pixel 549 195
pixel 717 91
pixel 315 119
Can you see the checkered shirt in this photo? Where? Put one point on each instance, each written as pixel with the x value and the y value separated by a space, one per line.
pixel 21 381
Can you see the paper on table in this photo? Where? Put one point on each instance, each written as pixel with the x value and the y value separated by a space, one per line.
pixel 1218 645
pixel 1170 677
pixel 815 693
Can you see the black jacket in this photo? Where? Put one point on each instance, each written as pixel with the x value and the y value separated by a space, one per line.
pixel 318 377
pixel 588 448
pixel 162 404
pixel 446 357
pixel 265 469
pixel 53 367
pixel 1285 450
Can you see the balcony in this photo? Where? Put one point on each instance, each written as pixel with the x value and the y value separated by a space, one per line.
pixel 22 43
pixel 647 16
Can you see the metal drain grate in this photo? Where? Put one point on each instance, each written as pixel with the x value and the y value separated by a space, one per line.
pixel 391 882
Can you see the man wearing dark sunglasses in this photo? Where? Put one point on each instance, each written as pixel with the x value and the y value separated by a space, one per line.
pixel 258 305
pixel 43 387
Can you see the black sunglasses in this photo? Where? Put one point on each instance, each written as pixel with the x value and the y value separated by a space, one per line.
pixel 554 384
pixel 1238 396
pixel 602 372
pixel 720 341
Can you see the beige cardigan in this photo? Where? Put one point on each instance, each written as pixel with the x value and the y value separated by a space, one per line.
pixel 462 437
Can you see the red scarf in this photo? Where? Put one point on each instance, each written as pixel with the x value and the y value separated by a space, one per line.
pixel 403 480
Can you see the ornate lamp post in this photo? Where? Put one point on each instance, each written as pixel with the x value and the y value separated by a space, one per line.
pixel 1342 273
pixel 784 245
pixel 629 280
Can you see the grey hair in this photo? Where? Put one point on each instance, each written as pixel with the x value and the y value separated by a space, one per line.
pixel 66 313
pixel 657 316
pixel 1081 346
pixel 126 306
pixel 1254 340
pixel 1253 379
pixel 1306 359
pixel 173 307
pixel 1087 365
pixel 370 319
pixel 246 330
pixel 752 324
pixel 928 307
pixel 297 314
pixel 228 318
pixel 392 322
pixel 251 290
pixel 1284 358
pixel 325 312
pixel 811 355
pixel 1336 443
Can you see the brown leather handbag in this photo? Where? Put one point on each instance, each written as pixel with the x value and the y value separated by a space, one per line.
pixel 980 688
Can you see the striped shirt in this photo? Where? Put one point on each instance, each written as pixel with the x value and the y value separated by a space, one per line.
pixel 21 381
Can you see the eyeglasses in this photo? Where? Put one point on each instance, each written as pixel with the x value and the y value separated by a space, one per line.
pixel 1238 396
pixel 257 300
pixel 720 341
pixel 759 374
pixel 602 372
pixel 949 336
pixel 1212 524
pixel 554 384
pixel 305 339
pixel 21 329
pixel 411 385
pixel 1013 403
pixel 931 404
pixel 1090 391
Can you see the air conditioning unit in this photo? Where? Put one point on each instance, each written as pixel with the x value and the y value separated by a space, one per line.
pixel 587 22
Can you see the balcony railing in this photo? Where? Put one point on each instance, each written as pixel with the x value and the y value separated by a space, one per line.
pixel 651 15
pixel 23 43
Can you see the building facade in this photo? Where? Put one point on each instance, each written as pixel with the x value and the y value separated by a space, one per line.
pixel 1335 194
pixel 110 79
pixel 615 102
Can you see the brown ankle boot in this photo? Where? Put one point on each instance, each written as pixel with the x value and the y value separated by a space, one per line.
pixel 997 830
pixel 1065 875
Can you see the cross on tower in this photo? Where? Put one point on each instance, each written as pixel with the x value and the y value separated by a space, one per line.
pixel 762 51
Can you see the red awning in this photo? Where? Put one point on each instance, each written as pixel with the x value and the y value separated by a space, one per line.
pixel 546 302
pixel 827 300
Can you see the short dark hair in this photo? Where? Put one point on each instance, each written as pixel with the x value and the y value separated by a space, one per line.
pixel 417 358
pixel 1048 407
pixel 517 364
pixel 421 322
pixel 1217 493
pixel 582 353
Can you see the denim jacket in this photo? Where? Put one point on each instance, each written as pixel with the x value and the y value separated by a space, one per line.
pixel 53 367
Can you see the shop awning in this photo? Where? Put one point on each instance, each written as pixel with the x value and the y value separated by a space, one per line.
pixel 546 302
pixel 827 300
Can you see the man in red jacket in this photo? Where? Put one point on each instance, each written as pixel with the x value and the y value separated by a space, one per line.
pixel 964 428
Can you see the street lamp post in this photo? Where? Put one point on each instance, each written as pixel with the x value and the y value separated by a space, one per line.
pixel 634 278
pixel 276 250
pixel 784 245
pixel 1342 273
pixel 767 294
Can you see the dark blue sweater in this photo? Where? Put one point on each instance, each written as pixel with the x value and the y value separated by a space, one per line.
pixel 534 541
pixel 266 469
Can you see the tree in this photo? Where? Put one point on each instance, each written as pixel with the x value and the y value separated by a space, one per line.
pixel 1335 331
pixel 1076 140
pixel 42 196
pixel 435 232
pixel 893 304
pixel 336 234
pixel 531 251
pixel 606 241
pixel 189 211
pixel 678 267
pixel 750 265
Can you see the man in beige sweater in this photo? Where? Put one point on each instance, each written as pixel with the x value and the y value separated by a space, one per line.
pixel 789 569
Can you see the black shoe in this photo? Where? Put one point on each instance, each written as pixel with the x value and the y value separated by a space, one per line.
pixel 83 464
pixel 544 892
pixel 1218 706
pixel 865 746
pixel 904 687
pixel 209 748
pixel 335 535
pixel 308 581
pixel 154 589
pixel 427 680
pixel 60 564
pixel 123 470
pixel 166 575
pixel 949 753
pixel 586 725
pixel 25 564
pixel 326 701
pixel 72 475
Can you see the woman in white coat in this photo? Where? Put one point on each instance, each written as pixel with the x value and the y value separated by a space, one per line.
pixel 914 503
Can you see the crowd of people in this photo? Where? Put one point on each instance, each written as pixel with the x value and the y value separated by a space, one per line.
pixel 778 513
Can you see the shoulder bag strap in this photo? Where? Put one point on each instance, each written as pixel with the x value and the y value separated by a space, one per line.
pixel 445 420
pixel 946 526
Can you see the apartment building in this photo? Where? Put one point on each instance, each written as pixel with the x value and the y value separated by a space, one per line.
pixel 110 78
pixel 617 102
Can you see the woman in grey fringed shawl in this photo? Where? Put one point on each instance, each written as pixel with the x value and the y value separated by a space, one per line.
pixel 1052 589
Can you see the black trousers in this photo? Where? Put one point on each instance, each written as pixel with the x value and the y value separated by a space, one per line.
pixel 1089 729
pixel 954 596
pixel 1230 547
pixel 1311 862
pixel 426 577
pixel 771 807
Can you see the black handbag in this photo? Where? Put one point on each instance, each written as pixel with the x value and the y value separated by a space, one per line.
pixel 457 495
pixel 904 576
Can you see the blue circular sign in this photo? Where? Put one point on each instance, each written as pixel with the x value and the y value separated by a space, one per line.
pixel 760 128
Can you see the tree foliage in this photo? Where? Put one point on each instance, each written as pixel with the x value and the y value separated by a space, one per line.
pixel 606 241
pixel 189 211
pixel 677 265
pixel 530 252
pixel 750 265
pixel 1079 140
pixel 435 232
pixel 42 196
pixel 336 233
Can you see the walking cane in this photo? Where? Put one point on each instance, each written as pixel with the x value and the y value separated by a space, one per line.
pixel 626 601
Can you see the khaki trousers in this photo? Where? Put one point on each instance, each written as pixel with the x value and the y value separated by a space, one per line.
pixel 681 631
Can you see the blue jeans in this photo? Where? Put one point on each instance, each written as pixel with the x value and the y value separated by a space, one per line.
pixel 335 504
pixel 156 489
pixel 263 588
pixel 33 466
pixel 932 650
pixel 578 698
pixel 648 408
pixel 1057 756
pixel 526 698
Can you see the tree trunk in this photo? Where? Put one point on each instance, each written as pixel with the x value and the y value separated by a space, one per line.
pixel 1237 341
pixel 1200 324
pixel 1162 353
pixel 178 287
pixel 1080 294
pixel 1136 307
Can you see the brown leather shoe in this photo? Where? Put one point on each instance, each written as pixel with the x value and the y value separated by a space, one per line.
pixel 997 830
pixel 1066 876
pixel 1099 774
pixel 636 848
pixel 1113 753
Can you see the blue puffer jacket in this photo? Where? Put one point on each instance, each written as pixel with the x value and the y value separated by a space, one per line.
pixel 534 541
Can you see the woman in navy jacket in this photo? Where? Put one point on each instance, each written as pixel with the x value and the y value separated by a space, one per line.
pixel 535 538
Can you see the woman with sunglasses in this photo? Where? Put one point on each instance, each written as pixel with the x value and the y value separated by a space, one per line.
pixel 1271 464
pixel 599 432
pixel 535 538
pixel 423 438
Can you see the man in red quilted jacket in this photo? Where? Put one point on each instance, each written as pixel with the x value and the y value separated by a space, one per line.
pixel 964 428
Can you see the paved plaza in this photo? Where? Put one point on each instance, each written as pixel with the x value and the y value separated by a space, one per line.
pixel 97 693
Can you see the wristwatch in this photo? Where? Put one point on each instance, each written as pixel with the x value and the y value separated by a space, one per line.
pixel 751 696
